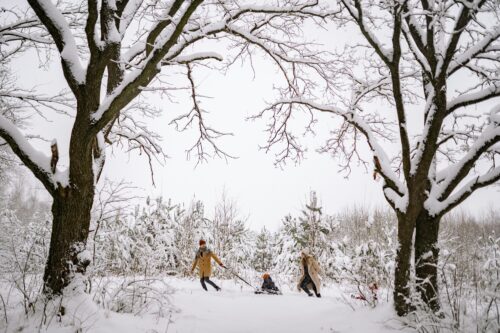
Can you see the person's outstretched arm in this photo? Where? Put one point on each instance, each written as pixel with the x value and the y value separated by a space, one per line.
pixel 217 260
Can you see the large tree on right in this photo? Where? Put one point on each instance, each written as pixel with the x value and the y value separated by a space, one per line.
pixel 422 86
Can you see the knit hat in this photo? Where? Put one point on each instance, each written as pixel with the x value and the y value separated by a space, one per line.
pixel 202 242
pixel 266 276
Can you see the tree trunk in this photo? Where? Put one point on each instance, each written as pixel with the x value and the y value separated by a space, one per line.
pixel 426 259
pixel 71 210
pixel 70 227
pixel 403 266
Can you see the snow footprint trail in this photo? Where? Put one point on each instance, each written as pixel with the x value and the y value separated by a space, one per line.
pixel 236 310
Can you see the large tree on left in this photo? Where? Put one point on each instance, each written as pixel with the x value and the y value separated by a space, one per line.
pixel 114 51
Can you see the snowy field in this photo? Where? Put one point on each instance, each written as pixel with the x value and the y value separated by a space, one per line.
pixel 235 309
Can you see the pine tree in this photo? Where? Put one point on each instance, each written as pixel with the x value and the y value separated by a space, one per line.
pixel 312 225
pixel 263 255
pixel 285 248
pixel 310 229
pixel 191 225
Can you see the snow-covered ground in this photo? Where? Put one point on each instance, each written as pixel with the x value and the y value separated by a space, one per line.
pixel 236 309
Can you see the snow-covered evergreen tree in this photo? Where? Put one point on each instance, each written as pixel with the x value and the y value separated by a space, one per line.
pixel 229 236
pixel 154 237
pixel 191 225
pixel 286 249
pixel 139 242
pixel 312 227
pixel 263 256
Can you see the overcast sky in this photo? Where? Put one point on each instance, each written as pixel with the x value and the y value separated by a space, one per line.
pixel 263 192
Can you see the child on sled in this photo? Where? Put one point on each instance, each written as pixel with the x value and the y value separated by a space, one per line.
pixel 268 286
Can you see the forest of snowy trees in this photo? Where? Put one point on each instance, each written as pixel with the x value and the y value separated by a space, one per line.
pixel 156 237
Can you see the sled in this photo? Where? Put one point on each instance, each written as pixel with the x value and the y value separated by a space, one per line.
pixel 268 292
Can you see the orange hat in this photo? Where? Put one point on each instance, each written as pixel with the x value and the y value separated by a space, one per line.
pixel 266 276
pixel 202 242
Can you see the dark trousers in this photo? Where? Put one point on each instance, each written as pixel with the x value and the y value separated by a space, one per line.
pixel 305 282
pixel 207 280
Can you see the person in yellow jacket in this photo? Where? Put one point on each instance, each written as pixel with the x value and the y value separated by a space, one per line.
pixel 203 260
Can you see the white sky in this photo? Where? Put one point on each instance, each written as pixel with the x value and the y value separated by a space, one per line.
pixel 263 192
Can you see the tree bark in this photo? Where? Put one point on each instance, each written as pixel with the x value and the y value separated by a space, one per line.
pixel 70 228
pixel 403 265
pixel 71 212
pixel 426 259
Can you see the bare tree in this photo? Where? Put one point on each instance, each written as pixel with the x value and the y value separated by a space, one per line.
pixel 115 51
pixel 416 87
pixel 111 201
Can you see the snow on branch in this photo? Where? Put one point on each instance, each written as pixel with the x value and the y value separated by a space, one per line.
pixel 36 161
pixel 439 208
pixel 28 100
pixel 128 14
pixel 464 100
pixel 305 9
pixel 140 77
pixel 448 61
pixel 361 15
pixel 20 31
pixel 62 35
pixel 415 35
pixel 198 56
pixel 412 38
pixel 109 29
pixel 443 195
pixel 18 27
pixel 475 51
pixel 279 133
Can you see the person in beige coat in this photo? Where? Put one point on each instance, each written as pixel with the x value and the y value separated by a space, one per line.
pixel 203 259
pixel 310 272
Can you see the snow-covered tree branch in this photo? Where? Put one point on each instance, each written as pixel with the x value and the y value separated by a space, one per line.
pixel 37 162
